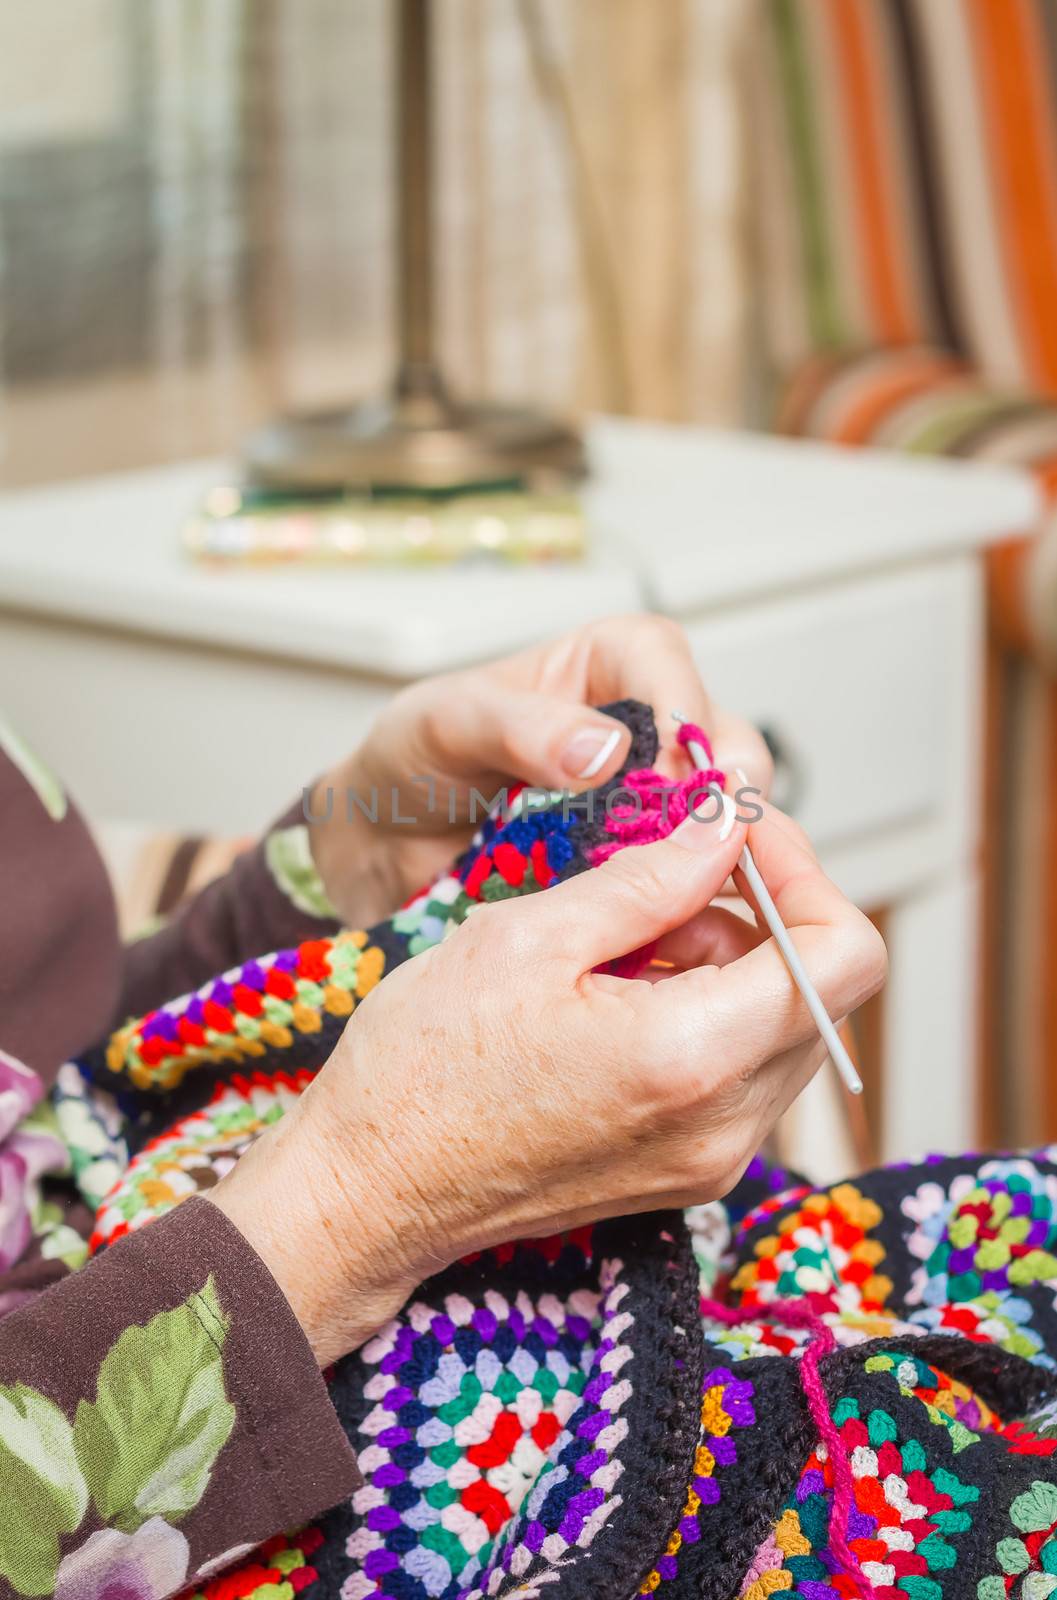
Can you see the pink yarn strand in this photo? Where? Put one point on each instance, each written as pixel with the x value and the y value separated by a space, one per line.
pixel 657 806
pixel 822 1343
pixel 690 733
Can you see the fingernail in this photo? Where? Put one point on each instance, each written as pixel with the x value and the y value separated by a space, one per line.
pixel 709 829
pixel 730 816
pixel 588 751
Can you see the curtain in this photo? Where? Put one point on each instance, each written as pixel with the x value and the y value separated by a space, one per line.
pixel 195 216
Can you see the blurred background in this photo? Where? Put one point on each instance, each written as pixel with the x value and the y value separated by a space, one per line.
pixel 219 174
pixel 789 270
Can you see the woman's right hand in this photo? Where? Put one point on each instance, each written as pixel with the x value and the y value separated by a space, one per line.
pixel 500 1086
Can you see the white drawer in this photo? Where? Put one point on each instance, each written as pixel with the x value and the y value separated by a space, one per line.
pixel 865 688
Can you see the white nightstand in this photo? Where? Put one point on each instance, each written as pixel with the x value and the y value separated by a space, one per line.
pixel 834 596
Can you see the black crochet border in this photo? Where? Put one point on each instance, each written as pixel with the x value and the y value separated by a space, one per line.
pixel 664 1413
pixel 589 825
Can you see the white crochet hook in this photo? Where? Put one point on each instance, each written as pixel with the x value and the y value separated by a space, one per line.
pixel 770 913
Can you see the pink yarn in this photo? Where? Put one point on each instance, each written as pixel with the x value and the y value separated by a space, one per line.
pixel 690 733
pixel 659 805
pixel 660 808
pixel 822 1343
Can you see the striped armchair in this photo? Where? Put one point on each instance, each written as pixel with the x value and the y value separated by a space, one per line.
pixel 905 183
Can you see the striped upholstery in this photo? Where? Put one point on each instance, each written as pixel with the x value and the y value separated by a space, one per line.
pixel 919 399
pixel 910 165
pixel 906 208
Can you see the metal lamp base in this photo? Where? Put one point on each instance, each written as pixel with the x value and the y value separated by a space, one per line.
pixel 427 443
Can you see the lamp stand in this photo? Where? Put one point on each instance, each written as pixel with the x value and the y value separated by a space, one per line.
pixel 417 436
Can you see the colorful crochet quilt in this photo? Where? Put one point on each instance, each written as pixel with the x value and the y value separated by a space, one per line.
pixel 814 1393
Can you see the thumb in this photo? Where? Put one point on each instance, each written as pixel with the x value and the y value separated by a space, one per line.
pixel 547 742
pixel 642 893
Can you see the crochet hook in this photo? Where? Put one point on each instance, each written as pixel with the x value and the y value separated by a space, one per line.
pixel 771 915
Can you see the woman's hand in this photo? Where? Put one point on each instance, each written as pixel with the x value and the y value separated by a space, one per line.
pixel 499 1086
pixel 528 718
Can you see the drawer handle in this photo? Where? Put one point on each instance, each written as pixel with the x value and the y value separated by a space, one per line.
pixel 787 790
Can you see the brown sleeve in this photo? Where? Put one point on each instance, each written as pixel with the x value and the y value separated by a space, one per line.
pixel 243 914
pixel 59 947
pixel 160 1407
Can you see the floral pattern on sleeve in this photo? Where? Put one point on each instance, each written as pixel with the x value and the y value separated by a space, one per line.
pixel 104 1490
pixel 30 1150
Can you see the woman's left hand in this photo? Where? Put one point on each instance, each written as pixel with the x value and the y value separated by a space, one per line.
pixel 528 718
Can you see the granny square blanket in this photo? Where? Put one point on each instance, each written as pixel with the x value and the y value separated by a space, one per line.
pixel 848 1391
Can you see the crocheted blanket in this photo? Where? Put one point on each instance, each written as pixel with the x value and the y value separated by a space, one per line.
pixel 847 1391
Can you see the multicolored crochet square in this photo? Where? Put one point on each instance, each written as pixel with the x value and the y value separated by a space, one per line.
pixel 195 1153
pixel 259 1007
pixel 917 1512
pixel 453 1457
pixel 823 1250
pixel 279 1569
pixel 984 1239
pixel 567 1418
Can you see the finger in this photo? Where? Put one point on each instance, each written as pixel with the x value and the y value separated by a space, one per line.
pixel 757 810
pixel 653 662
pixel 751 1009
pixel 639 657
pixel 715 937
pixel 787 826
pixel 741 752
pixel 647 658
pixel 539 738
pixel 780 849
pixel 650 658
pixel 752 808
pixel 637 896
